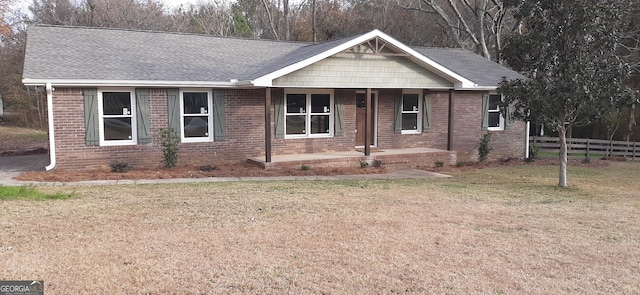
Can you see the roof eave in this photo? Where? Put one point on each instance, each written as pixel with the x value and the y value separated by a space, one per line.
pixel 135 83
pixel 475 87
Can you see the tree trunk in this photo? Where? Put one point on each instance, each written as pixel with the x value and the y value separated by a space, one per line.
pixel 632 122
pixel 287 26
pixel 271 24
pixel 562 134
pixel 313 20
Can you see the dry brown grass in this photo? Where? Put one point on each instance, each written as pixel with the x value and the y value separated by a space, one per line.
pixel 505 230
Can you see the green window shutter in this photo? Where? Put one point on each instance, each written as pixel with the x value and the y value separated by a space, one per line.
pixel 426 113
pixel 218 115
pixel 173 100
pixel 142 115
pixel 398 115
pixel 339 116
pixel 485 111
pixel 279 113
pixel 92 135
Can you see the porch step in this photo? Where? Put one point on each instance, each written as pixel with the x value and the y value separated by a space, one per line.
pixel 351 161
pixel 392 159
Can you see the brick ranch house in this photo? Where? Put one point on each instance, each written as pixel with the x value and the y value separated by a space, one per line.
pixel 111 92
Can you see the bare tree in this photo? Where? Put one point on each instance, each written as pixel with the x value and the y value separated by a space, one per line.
pixel 267 8
pixel 477 25
pixel 212 18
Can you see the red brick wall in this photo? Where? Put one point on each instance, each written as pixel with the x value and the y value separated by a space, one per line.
pixel 435 138
pixel 245 110
pixel 467 130
pixel 281 146
pixel 245 131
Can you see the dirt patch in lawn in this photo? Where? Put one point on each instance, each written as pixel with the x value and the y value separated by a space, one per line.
pixel 473 166
pixel 16 141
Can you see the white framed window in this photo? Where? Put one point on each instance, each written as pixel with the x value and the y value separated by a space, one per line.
pixel 117 117
pixel 411 110
pixel 494 118
pixel 196 115
pixel 308 113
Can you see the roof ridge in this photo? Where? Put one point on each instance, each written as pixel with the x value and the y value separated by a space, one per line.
pixel 174 33
pixel 442 48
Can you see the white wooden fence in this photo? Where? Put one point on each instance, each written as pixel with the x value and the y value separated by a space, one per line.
pixel 590 148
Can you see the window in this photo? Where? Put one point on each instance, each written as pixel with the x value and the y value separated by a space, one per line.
pixel 495 120
pixel 411 109
pixel 309 114
pixel 196 121
pixel 117 113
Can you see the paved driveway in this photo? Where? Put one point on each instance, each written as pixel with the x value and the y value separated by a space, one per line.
pixel 14 165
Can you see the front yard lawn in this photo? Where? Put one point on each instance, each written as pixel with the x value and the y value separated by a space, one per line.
pixel 502 230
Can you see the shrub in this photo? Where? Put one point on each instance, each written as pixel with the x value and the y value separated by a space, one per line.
pixel 460 164
pixel 364 164
pixel 439 164
pixel 483 147
pixel 170 141
pixel 533 152
pixel 305 168
pixel 120 166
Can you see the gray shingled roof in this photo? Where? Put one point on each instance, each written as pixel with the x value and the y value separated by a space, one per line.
pixel 110 54
pixel 72 53
pixel 476 68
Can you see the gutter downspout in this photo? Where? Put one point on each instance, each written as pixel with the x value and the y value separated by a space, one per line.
pixel 52 142
pixel 526 149
pixel 450 122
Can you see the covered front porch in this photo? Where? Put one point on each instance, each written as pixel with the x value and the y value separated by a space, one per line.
pixel 389 158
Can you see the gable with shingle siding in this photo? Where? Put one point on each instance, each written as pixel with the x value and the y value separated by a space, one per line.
pixel 347 70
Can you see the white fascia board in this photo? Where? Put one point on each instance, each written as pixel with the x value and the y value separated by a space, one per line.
pixel 479 88
pixel 134 83
pixel 459 81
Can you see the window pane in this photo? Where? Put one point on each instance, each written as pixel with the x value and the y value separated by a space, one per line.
pixel 295 124
pixel 196 126
pixel 117 129
pixel 494 102
pixel 410 102
pixel 296 103
pixel 116 103
pixel 195 103
pixel 319 124
pixel 320 103
pixel 361 102
pixel 409 121
pixel 494 119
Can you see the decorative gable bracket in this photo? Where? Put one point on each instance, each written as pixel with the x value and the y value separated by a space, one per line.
pixel 376 46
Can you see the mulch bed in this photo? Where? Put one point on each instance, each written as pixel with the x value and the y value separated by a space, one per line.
pixel 250 170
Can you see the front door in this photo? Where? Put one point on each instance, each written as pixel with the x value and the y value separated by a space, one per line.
pixel 361 104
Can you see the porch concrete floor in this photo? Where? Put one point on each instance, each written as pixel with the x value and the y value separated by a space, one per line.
pixel 343 156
